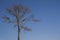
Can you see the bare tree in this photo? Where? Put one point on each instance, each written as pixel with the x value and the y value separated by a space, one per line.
pixel 22 16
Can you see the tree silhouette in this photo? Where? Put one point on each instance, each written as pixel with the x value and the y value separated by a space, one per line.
pixel 22 16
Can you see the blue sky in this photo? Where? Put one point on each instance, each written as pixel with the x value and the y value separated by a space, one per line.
pixel 48 11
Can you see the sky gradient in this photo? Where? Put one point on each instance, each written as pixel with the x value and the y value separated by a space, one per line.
pixel 48 11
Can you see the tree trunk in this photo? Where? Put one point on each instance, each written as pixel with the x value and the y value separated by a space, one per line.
pixel 18 33
pixel 18 24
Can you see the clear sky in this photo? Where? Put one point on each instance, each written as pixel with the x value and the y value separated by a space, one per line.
pixel 48 11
